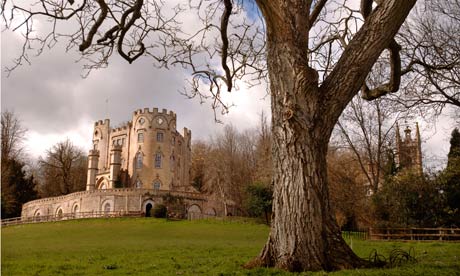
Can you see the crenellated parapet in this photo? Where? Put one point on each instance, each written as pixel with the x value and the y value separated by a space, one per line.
pixel 100 123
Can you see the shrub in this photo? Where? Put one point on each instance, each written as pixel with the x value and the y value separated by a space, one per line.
pixel 159 211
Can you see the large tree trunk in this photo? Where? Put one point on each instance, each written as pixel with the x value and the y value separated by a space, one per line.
pixel 304 234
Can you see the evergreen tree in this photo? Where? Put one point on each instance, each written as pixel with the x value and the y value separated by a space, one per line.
pixel 454 152
pixel 17 189
pixel 450 180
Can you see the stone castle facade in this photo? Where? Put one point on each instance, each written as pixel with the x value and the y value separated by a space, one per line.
pixel 131 168
pixel 408 155
pixel 146 152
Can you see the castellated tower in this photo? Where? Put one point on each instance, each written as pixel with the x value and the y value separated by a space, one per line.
pixel 145 153
pixel 409 150
pixel 93 160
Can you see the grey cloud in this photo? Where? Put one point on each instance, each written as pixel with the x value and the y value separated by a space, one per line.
pixel 51 97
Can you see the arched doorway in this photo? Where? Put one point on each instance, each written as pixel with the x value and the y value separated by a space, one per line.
pixel 106 208
pixel 59 213
pixel 148 209
pixel 75 211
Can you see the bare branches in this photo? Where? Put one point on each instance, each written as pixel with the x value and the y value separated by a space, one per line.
pixel 316 11
pixel 223 31
pixel 395 64
pixel 432 53
pixel 103 14
pixel 395 76
pixel 223 52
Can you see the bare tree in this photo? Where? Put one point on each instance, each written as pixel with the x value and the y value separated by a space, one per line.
pixel 347 189
pixel 263 171
pixel 63 170
pixel 229 166
pixel 432 53
pixel 13 134
pixel 17 186
pixel 366 129
pixel 300 39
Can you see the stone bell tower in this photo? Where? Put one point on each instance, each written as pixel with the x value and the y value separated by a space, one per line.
pixel 409 149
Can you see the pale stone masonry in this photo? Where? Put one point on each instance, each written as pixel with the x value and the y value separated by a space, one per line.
pixel 131 168
pixel 146 152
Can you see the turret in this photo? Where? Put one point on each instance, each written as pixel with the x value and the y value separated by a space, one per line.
pixel 398 146
pixel 418 141
pixel 115 165
pixel 101 140
pixel 93 159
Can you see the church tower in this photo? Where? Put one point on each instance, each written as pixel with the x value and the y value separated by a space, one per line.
pixel 409 149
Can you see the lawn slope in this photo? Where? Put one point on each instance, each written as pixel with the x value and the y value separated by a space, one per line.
pixel 157 247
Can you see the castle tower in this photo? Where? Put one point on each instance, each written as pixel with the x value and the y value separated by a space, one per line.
pixel 93 160
pixel 409 150
pixel 101 142
pixel 115 165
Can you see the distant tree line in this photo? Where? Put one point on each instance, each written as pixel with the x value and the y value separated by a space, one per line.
pixel 235 167
pixel 18 186
pixel 61 171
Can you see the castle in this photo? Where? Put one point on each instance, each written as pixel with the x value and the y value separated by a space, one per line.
pixel 131 168
pixel 147 152
pixel 408 153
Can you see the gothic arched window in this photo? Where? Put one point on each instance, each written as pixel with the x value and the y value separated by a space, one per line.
pixel 139 158
pixel 158 160
pixel 140 137
pixel 156 184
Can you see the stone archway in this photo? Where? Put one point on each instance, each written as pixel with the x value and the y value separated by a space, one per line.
pixel 37 215
pixel 59 213
pixel 75 210
pixel 148 209
pixel 102 184
pixel 194 212
pixel 211 212
pixel 194 209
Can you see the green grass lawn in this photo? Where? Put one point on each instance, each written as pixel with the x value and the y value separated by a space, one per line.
pixel 157 247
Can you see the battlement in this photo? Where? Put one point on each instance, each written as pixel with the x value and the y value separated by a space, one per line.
pixel 187 134
pixel 120 129
pixel 93 152
pixel 106 122
pixel 155 112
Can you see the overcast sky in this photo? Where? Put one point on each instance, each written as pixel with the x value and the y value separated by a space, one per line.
pixel 54 101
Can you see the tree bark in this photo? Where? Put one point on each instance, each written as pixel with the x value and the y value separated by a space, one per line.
pixel 304 234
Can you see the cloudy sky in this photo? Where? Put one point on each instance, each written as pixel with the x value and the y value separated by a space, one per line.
pixel 54 101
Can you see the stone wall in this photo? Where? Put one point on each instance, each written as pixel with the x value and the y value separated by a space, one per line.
pixel 116 200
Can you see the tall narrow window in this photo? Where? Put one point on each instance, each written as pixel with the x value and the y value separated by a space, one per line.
pixel 140 137
pixel 138 184
pixel 139 161
pixel 158 160
pixel 172 161
pixel 156 184
pixel 159 136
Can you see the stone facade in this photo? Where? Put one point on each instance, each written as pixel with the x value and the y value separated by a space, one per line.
pixel 408 155
pixel 132 168
pixel 121 201
pixel 146 152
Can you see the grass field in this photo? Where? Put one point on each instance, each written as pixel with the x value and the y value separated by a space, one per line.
pixel 157 247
